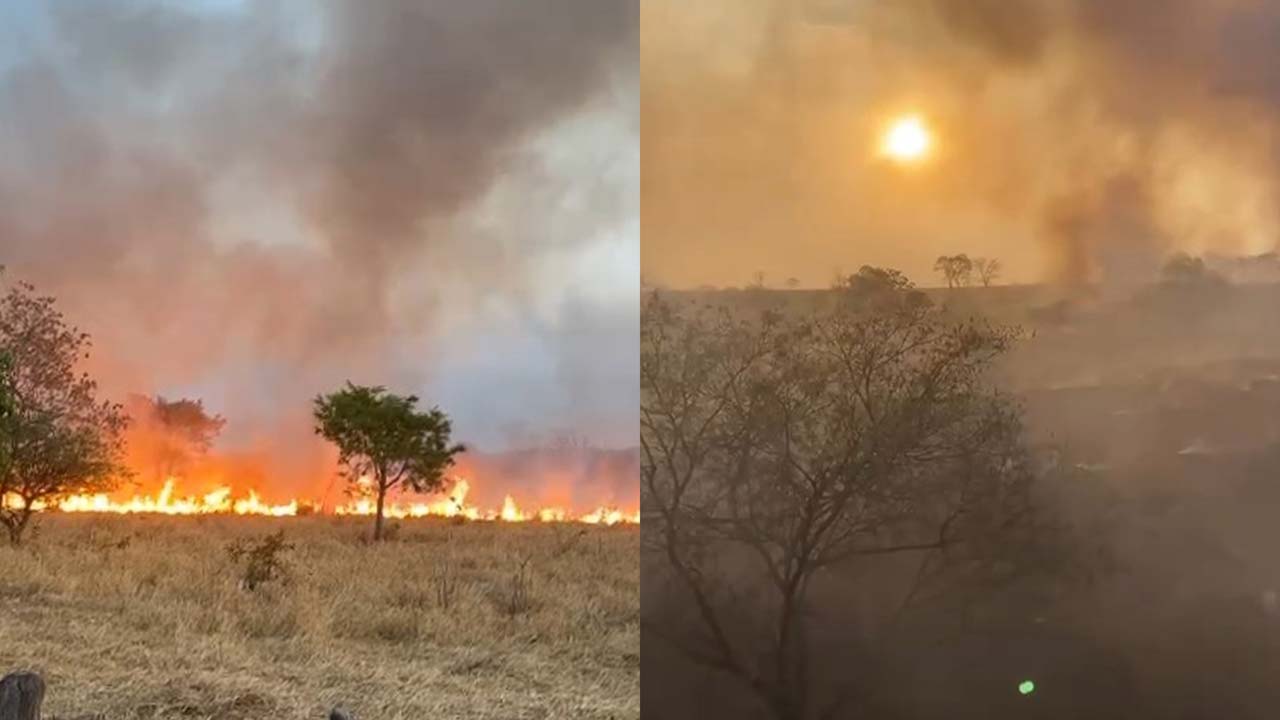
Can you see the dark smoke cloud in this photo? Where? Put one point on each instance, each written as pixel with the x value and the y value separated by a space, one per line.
pixel 1075 140
pixel 259 200
pixel 1013 32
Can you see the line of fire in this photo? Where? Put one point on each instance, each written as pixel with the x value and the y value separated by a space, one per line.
pixel 67 450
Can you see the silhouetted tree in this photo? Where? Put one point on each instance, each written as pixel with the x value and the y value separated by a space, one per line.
pixel 172 433
pixel 988 270
pixel 878 290
pixel 1184 270
pixel 382 437
pixel 60 439
pixel 779 450
pixel 955 269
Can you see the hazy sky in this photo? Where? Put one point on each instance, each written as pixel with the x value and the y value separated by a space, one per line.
pixel 1073 139
pixel 252 202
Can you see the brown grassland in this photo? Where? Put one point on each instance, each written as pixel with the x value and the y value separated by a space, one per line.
pixel 148 617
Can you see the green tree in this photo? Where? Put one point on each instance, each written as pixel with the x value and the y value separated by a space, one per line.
pixel 383 437
pixel 59 438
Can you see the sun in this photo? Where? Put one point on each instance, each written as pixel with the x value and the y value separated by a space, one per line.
pixel 907 139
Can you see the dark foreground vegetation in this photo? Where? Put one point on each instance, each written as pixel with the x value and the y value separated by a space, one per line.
pixel 1004 502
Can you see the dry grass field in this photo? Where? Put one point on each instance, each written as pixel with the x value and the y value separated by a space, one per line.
pixel 148 617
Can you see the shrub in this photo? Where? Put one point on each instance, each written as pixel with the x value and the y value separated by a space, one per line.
pixel 518 597
pixel 262 560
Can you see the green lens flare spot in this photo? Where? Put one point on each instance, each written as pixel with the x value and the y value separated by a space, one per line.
pixel 1026 687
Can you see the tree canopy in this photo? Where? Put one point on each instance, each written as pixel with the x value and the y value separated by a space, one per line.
pixel 956 270
pixel 881 290
pixel 60 439
pixel 169 435
pixel 382 438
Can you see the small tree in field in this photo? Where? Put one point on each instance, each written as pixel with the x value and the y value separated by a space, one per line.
pixel 59 439
pixel 383 437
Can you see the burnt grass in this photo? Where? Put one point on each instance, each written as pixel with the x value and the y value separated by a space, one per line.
pixel 150 617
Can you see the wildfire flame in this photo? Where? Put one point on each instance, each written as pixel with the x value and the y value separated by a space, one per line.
pixel 455 505
pixel 221 501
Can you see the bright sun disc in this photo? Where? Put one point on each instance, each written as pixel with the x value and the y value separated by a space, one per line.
pixel 907 139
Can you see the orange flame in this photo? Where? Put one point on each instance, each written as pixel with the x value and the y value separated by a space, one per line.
pixel 455 505
pixel 221 501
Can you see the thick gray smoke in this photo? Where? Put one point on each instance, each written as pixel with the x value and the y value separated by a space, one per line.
pixel 256 201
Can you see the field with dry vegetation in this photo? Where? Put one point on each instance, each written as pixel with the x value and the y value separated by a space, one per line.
pixel 210 617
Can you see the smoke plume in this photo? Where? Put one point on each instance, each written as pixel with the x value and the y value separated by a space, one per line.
pixel 253 202
pixel 1078 141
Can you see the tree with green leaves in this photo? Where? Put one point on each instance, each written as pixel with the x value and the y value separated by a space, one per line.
pixel 59 438
pixel 384 438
